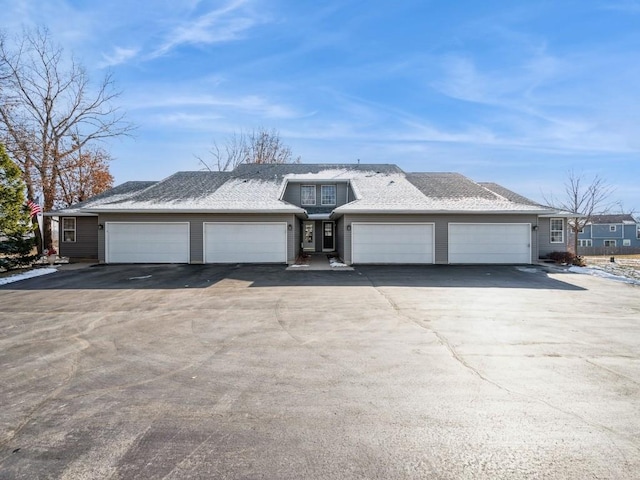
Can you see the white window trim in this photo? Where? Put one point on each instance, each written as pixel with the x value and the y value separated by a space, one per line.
pixel 612 228
pixel 585 242
pixel 74 230
pixel 551 231
pixel 626 242
pixel 302 202
pixel 615 243
pixel 335 194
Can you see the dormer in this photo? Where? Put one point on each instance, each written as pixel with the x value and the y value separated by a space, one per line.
pixel 318 195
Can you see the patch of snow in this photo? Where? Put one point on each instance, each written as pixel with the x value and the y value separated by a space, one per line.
pixel 36 272
pixel 599 272
pixel 298 265
pixel 334 262
pixel 527 269
pixel 140 278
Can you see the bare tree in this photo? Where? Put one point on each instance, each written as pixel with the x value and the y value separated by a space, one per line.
pixel 584 197
pixel 258 146
pixel 49 110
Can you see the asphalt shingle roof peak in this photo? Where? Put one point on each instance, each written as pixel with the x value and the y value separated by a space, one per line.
pixel 183 185
pixel 448 185
pixel 281 170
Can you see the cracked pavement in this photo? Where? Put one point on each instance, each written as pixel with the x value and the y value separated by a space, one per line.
pixel 187 371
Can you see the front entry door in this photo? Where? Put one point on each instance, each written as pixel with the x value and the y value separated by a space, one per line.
pixel 328 237
pixel 308 239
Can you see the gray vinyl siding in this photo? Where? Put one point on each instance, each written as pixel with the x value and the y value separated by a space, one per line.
pixel 339 232
pixel 297 237
pixel 441 229
pixel 545 247
pixel 196 228
pixel 600 232
pixel 86 244
pixel 292 194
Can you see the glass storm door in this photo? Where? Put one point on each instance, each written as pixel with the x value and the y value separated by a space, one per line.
pixel 328 236
pixel 308 240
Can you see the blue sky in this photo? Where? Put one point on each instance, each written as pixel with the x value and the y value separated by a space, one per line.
pixel 513 92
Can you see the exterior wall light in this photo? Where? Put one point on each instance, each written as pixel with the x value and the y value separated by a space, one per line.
pixel 100 226
pixel 289 227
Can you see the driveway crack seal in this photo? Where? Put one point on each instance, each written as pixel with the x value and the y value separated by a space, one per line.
pixel 456 356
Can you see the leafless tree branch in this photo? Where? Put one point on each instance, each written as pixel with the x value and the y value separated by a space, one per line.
pixel 49 110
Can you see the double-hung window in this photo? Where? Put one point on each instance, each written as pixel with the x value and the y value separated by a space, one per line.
pixel 308 194
pixel 585 243
pixel 610 243
pixel 328 194
pixel 68 229
pixel 557 230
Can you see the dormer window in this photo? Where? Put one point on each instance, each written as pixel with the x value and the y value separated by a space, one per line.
pixel 328 194
pixel 308 194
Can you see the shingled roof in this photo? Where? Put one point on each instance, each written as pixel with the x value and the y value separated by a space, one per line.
pixel 624 218
pixel 120 192
pixel 452 192
pixel 383 188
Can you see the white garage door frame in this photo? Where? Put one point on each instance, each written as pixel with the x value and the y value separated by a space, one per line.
pixel 424 254
pixel 180 252
pixel 482 250
pixel 277 253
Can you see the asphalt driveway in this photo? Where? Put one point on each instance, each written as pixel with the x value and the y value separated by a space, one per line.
pixel 257 372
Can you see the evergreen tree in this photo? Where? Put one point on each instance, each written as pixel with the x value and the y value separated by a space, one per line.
pixel 16 239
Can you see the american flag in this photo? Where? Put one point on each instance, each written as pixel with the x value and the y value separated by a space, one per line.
pixel 34 208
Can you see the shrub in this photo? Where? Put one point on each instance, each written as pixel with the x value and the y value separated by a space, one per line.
pixel 567 258
pixel 16 251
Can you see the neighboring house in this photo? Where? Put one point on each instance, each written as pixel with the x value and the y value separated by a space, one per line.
pixel 609 234
pixel 272 213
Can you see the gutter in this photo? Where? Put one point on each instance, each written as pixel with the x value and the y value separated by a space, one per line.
pixel 453 212
pixel 195 211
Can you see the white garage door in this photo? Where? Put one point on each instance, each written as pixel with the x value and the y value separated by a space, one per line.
pixel 245 242
pixel 137 242
pixel 392 242
pixel 489 243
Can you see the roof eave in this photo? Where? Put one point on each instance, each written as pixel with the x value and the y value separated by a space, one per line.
pixel 444 211
pixel 62 213
pixel 198 210
pixel 561 214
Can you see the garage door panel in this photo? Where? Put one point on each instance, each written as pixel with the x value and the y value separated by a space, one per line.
pixel 392 243
pixel 139 242
pixel 245 242
pixel 490 243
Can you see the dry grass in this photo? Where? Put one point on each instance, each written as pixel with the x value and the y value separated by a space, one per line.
pixel 630 260
pixel 624 265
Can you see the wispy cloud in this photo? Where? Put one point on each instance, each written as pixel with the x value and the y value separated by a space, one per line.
pixel 225 24
pixel 198 108
pixel 118 56
pixel 626 6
